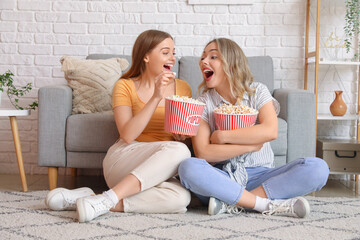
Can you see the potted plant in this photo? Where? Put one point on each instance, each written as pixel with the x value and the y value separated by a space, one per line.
pixel 352 25
pixel 14 93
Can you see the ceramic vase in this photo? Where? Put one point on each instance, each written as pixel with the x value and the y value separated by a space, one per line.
pixel 338 106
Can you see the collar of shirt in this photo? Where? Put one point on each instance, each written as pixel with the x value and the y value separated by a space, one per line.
pixel 218 99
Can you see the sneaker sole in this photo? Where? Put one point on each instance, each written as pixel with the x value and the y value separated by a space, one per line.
pixel 55 191
pixel 211 206
pixel 306 204
pixel 80 210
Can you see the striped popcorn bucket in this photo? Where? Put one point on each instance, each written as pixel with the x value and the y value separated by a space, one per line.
pixel 182 117
pixel 234 121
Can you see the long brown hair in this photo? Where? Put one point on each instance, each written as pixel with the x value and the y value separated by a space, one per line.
pixel 235 66
pixel 144 44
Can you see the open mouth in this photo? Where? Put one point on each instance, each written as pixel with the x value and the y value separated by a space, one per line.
pixel 208 74
pixel 168 67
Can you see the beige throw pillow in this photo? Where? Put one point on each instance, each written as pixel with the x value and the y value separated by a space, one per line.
pixel 92 82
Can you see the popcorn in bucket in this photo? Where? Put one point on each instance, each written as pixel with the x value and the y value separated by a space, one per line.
pixel 182 115
pixel 229 117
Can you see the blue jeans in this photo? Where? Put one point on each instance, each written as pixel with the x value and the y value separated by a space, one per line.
pixel 296 178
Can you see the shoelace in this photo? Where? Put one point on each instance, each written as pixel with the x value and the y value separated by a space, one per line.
pixel 233 209
pixel 284 207
pixel 101 206
pixel 69 202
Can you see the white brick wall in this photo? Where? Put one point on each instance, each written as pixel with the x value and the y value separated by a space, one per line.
pixel 35 34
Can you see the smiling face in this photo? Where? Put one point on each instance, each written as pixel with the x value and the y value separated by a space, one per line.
pixel 212 67
pixel 161 58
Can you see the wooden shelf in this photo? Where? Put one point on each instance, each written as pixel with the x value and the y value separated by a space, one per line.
pixel 328 62
pixel 342 118
pixel 313 58
pixel 339 140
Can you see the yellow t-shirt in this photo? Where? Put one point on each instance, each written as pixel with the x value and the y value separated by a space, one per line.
pixel 124 93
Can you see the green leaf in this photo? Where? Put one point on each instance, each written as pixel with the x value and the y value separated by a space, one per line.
pixel 352 24
pixel 13 93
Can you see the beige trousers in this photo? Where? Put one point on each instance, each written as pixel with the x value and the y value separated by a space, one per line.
pixel 154 164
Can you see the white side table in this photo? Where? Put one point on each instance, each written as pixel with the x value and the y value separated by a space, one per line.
pixel 12 114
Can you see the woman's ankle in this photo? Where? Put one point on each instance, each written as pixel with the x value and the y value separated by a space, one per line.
pixel 119 207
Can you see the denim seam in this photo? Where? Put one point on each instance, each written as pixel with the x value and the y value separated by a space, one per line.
pixel 238 197
pixel 267 190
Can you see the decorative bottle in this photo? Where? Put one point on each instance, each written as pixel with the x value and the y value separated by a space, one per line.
pixel 338 106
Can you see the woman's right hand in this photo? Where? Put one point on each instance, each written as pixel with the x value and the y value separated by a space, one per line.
pixel 161 82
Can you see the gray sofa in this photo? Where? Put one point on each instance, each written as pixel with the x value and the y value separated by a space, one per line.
pixel 82 140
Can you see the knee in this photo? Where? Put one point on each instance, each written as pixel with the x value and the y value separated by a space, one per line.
pixel 180 150
pixel 189 167
pixel 189 170
pixel 318 172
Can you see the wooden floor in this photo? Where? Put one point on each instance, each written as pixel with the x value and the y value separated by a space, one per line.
pixel 334 188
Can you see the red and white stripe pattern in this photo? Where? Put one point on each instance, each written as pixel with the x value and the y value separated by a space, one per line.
pixel 230 122
pixel 182 117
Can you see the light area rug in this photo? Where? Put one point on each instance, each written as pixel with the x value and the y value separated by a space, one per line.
pixel 25 216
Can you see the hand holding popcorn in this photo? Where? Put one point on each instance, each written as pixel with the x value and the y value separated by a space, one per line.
pixel 162 81
pixel 182 115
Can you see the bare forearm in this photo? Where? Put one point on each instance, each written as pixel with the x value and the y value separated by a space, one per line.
pixel 137 124
pixel 252 135
pixel 215 152
pixel 222 152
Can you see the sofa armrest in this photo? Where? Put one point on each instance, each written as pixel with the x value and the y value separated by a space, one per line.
pixel 298 109
pixel 55 105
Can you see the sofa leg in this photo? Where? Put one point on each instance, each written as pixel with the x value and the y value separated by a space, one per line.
pixel 53 177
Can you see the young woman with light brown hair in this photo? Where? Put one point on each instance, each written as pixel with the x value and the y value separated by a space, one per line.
pixel 140 166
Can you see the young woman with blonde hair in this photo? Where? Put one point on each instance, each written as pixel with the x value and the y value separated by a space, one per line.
pixel 234 168
pixel 139 167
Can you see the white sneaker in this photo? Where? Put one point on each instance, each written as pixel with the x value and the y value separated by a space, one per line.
pixel 64 199
pixel 293 207
pixel 88 208
pixel 217 207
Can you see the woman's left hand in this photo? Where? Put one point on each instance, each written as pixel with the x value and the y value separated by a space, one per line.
pixel 179 137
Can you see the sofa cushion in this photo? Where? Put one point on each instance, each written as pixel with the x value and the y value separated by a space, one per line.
pixel 88 159
pixel 92 82
pixel 263 70
pixel 93 132
pixel 190 72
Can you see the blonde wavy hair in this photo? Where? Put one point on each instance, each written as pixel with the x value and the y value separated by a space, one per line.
pixel 235 66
